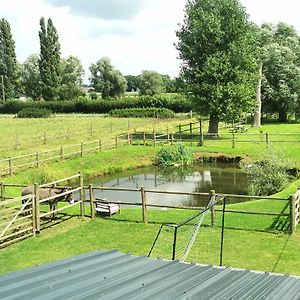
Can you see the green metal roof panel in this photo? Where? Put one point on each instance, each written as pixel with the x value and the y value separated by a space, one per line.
pixel 114 275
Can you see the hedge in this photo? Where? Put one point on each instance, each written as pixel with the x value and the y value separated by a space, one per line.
pixel 176 103
pixel 153 112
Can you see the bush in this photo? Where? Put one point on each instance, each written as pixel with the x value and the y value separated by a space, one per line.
pixel 162 113
pixel 34 113
pixel 178 155
pixel 267 176
pixel 174 102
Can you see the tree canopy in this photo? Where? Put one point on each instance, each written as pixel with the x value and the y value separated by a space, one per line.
pixel 151 83
pixel 50 61
pixel 218 53
pixel 106 79
pixel 8 62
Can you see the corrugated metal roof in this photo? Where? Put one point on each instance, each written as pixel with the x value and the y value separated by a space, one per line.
pixel 114 275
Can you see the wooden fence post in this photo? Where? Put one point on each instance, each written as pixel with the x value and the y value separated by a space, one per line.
pixel 45 138
pixel 154 138
pixel 81 149
pixel 172 139
pixel 191 128
pixel 212 194
pixel 81 195
pixel 128 139
pixel 200 133
pixel 36 209
pixel 2 191
pixel 292 213
pixel 144 205
pixel 10 166
pixel 116 141
pixel 233 137
pixel 267 140
pixel 144 138
pixel 61 153
pixel 37 160
pixel 91 130
pixel 100 145
pixel 92 201
pixel 179 128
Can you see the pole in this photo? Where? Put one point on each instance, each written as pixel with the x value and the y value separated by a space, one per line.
pixel 144 205
pixel 36 209
pixel 222 232
pixel 92 201
pixel 81 195
pixel 174 244
pixel 292 213
pixel 212 194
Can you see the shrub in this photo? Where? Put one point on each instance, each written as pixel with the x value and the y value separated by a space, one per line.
pixel 34 113
pixel 162 113
pixel 267 176
pixel 178 155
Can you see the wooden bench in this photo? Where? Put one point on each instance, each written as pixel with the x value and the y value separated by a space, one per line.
pixel 107 208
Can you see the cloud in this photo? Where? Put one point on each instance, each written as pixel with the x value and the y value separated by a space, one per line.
pixel 102 9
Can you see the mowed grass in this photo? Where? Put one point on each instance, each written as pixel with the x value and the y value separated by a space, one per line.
pixel 243 248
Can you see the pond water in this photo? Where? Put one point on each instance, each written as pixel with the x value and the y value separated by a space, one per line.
pixel 223 178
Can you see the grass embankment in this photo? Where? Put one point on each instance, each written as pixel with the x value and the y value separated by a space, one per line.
pixel 246 246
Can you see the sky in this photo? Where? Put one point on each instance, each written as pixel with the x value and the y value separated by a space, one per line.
pixel 135 34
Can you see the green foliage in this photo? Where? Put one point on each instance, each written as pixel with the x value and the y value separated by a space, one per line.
pixel 217 46
pixel 176 103
pixel 34 113
pixel 178 155
pixel 151 83
pixel 8 61
pixel 281 72
pixel 162 113
pixel 133 83
pixel 50 61
pixel 31 77
pixel 267 176
pixel 71 81
pixel 107 80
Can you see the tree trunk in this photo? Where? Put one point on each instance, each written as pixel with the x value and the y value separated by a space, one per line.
pixel 213 127
pixel 257 114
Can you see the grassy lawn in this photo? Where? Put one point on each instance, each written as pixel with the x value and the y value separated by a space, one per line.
pixel 243 248
pixel 249 242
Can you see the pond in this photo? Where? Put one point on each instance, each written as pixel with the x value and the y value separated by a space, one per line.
pixel 223 178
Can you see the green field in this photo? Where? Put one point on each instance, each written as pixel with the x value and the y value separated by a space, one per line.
pixel 248 240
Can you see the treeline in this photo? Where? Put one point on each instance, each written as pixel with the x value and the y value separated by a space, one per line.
pixel 50 77
pixel 176 103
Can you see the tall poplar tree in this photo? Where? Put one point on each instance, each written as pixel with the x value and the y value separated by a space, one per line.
pixel 49 63
pixel 8 61
pixel 217 47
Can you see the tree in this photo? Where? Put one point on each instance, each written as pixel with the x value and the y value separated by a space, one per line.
pixel 31 78
pixel 71 81
pixel 49 63
pixel 133 83
pixel 151 83
pixel 218 52
pixel 281 72
pixel 8 61
pixel 106 79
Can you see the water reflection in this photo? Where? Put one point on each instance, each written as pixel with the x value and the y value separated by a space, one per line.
pixel 225 178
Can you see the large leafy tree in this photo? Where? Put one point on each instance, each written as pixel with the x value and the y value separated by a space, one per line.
pixel 71 81
pixel 133 83
pixel 152 83
pixel 31 78
pixel 50 61
pixel 218 49
pixel 8 62
pixel 281 72
pixel 106 79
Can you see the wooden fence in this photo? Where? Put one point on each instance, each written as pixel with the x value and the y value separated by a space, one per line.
pixel 12 165
pixel 291 202
pixel 22 217
pixel 230 139
pixel 295 211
